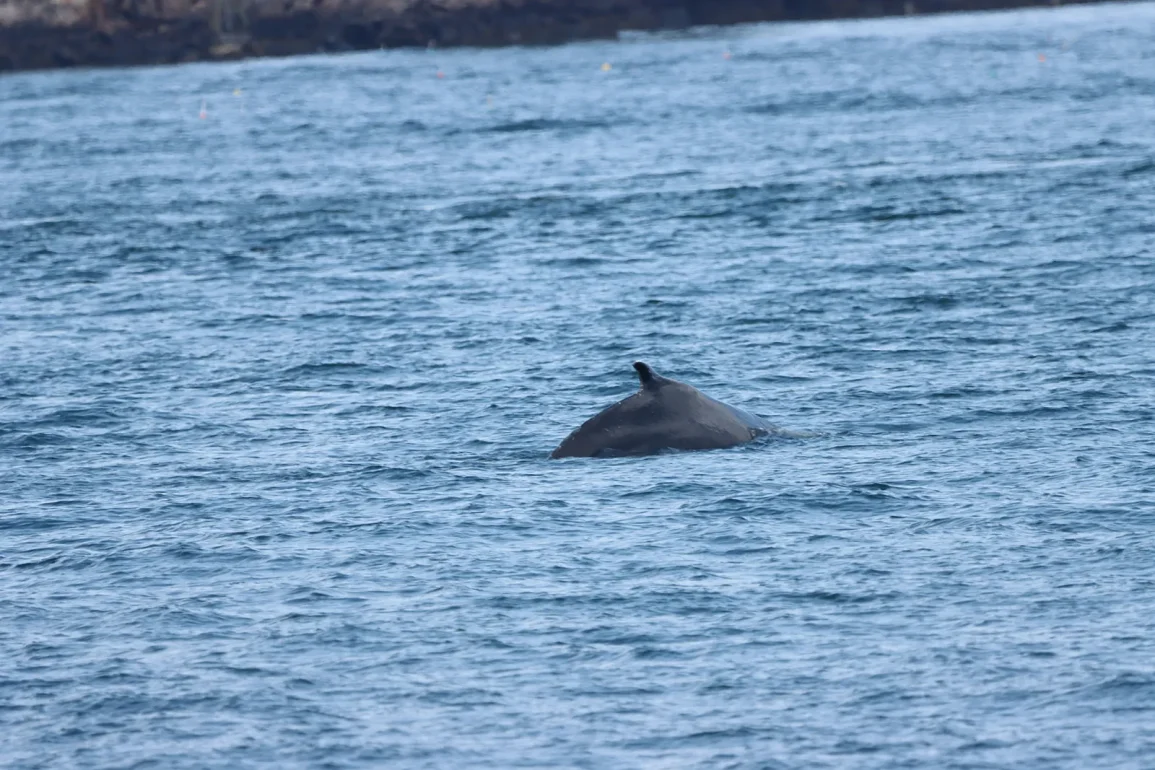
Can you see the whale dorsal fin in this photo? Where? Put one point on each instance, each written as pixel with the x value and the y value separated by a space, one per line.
pixel 650 379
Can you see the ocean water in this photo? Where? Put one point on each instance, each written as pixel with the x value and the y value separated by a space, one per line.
pixel 278 385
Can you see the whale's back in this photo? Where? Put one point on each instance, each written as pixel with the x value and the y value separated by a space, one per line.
pixel 662 415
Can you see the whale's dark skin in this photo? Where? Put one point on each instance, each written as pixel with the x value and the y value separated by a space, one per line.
pixel 663 414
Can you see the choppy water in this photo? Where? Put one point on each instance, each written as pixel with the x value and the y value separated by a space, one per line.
pixel 277 388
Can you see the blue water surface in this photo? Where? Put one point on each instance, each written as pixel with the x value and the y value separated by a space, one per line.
pixel 278 385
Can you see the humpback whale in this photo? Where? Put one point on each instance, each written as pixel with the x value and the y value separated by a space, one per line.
pixel 663 414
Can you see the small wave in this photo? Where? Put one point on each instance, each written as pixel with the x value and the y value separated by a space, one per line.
pixel 545 124
pixel 34 439
pixel 838 597
pixel 80 417
pixel 573 262
pixel 1142 168
pixel 1128 683
pixel 335 367
pixel 930 301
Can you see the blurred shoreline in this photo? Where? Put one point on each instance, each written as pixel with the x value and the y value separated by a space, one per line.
pixel 46 34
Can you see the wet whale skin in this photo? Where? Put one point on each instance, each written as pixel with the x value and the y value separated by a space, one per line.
pixel 663 414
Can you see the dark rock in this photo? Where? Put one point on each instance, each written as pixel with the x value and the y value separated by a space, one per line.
pixel 359 35
pixel 48 34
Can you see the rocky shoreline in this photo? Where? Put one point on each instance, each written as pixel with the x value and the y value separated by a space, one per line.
pixel 42 34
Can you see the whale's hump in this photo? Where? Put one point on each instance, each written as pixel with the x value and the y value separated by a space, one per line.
pixel 663 414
